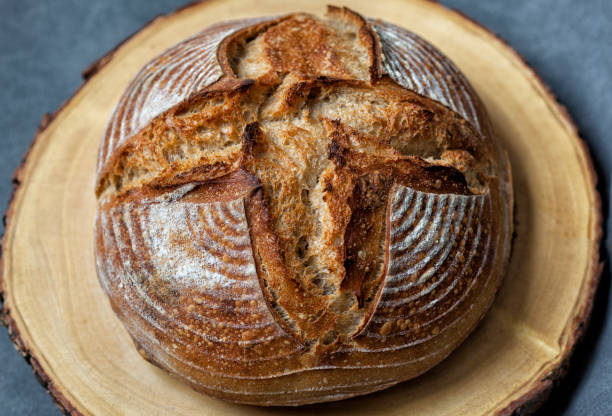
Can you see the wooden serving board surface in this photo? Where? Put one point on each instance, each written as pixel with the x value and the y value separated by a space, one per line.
pixel 61 321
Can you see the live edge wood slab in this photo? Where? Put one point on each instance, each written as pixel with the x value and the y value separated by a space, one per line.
pixel 61 321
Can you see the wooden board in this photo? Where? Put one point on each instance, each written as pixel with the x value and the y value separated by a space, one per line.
pixel 61 321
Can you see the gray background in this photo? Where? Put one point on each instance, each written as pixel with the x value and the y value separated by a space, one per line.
pixel 44 46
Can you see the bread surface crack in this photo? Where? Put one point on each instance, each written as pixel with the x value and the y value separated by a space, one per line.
pixel 327 144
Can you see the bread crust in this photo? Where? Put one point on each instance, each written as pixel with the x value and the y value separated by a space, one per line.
pixel 293 227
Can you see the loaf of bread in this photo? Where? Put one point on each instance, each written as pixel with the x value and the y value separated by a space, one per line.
pixel 299 209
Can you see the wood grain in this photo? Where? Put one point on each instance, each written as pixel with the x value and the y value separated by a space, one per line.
pixel 62 323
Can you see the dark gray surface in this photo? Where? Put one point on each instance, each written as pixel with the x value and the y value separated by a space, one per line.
pixel 44 46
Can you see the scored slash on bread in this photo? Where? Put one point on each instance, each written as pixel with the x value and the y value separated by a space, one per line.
pixel 200 237
pixel 294 210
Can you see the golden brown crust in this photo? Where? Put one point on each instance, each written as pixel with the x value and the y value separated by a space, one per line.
pixel 302 221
